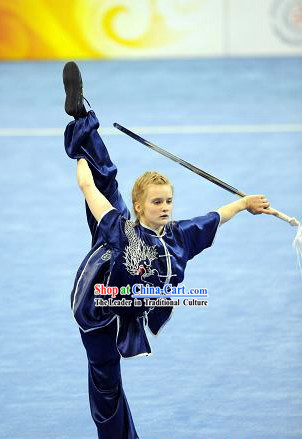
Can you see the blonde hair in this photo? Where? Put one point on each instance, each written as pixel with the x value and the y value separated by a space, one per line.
pixel 139 190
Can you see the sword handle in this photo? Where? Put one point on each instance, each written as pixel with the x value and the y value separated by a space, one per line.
pixel 291 220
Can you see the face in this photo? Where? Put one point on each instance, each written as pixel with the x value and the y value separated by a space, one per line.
pixel 156 210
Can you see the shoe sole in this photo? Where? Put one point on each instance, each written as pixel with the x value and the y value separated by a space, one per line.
pixel 73 88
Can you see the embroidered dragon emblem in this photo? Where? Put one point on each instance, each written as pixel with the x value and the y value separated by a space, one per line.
pixel 138 255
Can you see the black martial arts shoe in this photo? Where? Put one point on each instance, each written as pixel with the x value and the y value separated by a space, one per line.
pixel 73 85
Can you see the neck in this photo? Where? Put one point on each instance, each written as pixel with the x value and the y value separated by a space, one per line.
pixel 158 229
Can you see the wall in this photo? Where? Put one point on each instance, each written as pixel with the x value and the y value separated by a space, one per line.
pixel 65 29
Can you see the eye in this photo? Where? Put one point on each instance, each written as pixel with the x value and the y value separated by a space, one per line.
pixel 169 201
pixel 156 202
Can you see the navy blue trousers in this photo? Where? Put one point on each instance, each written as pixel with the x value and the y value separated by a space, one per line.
pixel 108 403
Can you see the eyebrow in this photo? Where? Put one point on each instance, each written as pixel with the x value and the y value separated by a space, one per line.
pixel 161 198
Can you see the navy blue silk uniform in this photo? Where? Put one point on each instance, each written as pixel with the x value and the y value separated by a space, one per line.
pixel 123 253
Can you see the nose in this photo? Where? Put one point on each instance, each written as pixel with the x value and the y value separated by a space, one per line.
pixel 165 207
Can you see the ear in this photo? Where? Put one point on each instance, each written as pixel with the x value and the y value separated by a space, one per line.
pixel 138 207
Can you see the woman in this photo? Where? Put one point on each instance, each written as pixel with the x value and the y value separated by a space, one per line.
pixel 150 251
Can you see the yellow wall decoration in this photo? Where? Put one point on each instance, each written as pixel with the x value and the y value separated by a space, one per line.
pixel 73 29
pixel 65 29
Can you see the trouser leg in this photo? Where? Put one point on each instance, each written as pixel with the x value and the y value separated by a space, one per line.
pixel 108 403
pixel 82 140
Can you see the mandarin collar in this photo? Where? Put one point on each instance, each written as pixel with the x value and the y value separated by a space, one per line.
pixel 151 231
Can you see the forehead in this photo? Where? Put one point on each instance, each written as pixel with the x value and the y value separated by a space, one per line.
pixel 159 191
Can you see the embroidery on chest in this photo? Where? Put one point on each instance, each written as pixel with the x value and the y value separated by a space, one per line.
pixel 138 255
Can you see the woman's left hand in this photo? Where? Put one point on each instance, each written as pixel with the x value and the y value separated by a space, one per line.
pixel 257 204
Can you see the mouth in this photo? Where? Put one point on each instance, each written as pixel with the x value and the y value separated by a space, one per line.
pixel 165 216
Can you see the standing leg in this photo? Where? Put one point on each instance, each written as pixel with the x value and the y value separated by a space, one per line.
pixel 108 403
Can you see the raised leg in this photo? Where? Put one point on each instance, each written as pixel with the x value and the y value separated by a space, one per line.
pixel 82 140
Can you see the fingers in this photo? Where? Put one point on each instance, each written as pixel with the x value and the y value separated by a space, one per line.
pixel 268 211
pixel 258 204
pixel 265 204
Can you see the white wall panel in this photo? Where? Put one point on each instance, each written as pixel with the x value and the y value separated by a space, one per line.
pixel 263 27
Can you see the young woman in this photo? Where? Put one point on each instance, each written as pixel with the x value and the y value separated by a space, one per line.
pixel 152 250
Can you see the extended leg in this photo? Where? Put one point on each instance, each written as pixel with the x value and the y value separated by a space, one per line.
pixel 108 403
pixel 82 140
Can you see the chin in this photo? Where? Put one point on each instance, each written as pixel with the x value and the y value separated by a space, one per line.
pixel 164 220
